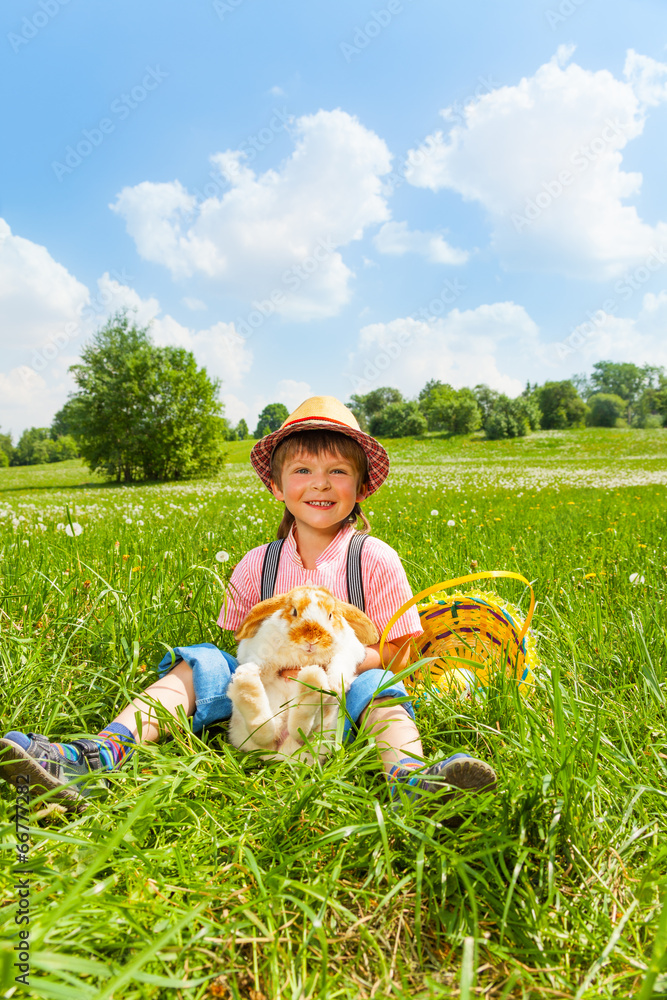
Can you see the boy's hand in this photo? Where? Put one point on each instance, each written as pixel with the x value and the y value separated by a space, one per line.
pixel 398 651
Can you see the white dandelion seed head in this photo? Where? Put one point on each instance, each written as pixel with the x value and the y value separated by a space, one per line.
pixel 451 523
pixel 221 556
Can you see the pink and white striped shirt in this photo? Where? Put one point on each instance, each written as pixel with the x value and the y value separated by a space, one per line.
pixel 386 586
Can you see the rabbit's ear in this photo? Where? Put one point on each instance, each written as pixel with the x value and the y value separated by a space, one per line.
pixel 258 614
pixel 362 626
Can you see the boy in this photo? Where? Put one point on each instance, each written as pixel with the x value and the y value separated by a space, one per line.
pixel 322 466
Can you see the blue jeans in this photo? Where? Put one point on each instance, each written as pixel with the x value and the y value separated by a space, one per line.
pixel 212 671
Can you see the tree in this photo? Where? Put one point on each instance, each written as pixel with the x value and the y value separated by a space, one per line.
pixel 365 407
pixel 37 446
pixel 485 397
pixel 398 420
pixel 271 418
pixel 509 418
pixel 651 409
pixel 605 409
pixel 626 380
pixel 449 409
pixel 242 431
pixel 144 411
pixel 560 405
pixel 6 449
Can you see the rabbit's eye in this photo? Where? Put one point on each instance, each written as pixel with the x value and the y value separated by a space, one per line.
pixel 294 612
pixel 330 615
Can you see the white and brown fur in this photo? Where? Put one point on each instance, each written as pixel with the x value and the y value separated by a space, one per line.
pixel 297 654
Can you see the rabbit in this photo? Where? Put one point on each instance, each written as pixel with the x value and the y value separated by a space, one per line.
pixel 297 654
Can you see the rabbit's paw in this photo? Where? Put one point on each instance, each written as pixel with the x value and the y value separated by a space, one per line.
pixel 314 676
pixel 245 681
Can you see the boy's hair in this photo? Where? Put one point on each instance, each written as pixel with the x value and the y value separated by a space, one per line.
pixel 319 443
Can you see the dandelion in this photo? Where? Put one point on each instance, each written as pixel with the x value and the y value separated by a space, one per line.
pixel 73 529
pixel 221 556
pixel 636 579
pixel 434 513
pixel 451 523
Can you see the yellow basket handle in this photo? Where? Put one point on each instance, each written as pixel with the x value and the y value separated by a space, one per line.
pixel 488 574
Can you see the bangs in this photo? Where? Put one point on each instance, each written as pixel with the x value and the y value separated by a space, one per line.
pixel 317 443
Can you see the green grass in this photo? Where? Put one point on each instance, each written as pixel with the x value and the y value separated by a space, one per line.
pixel 295 882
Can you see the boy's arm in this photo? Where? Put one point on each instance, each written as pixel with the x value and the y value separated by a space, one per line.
pixel 399 647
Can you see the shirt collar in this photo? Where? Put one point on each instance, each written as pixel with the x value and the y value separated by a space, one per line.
pixel 332 551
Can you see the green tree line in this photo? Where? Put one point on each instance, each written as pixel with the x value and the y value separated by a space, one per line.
pixel 614 394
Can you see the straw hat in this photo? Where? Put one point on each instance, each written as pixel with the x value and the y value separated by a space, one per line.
pixel 322 413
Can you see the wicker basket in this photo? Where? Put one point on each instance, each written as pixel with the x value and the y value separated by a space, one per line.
pixel 471 635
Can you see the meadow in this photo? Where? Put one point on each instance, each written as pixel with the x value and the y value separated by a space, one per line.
pixel 205 873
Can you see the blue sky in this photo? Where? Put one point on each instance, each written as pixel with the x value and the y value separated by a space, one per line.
pixel 328 198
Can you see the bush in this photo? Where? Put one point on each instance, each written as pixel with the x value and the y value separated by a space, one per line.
pixel 398 420
pixel 648 422
pixel 605 410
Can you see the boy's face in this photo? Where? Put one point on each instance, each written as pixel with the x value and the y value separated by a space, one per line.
pixel 319 490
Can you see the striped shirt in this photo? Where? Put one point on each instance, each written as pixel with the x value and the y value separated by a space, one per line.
pixel 386 586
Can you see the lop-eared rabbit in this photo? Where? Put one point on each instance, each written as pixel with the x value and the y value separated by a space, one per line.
pixel 297 654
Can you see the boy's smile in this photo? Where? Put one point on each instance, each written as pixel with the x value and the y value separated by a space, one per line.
pixel 319 490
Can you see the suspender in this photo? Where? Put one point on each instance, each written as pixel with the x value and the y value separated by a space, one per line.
pixel 355 586
pixel 270 569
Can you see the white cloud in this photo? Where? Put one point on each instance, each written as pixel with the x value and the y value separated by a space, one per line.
pixel 604 336
pixel 273 232
pixel 396 238
pixel 292 393
pixel 544 158
pixel 194 304
pixel 38 296
pixel 492 344
pixel 235 409
pixel 647 77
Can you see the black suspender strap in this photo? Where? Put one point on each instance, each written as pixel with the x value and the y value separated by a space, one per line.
pixel 355 585
pixel 270 569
